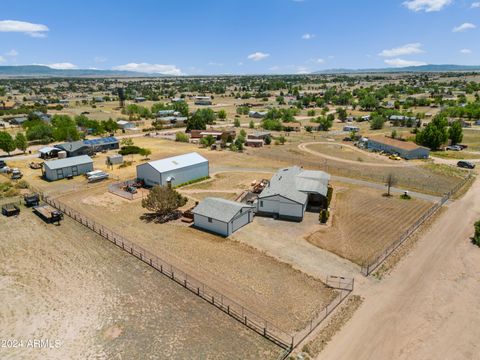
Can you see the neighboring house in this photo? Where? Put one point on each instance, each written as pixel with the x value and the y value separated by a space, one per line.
pixel 254 142
pixel 42 116
pixel 259 135
pixel 257 114
pixel 48 152
pixel 221 216
pixel 477 122
pixel 175 100
pixel 351 128
pixel 168 112
pixel 217 134
pixel 124 124
pixel 291 126
pixel 203 100
pixel 7 105
pixel 405 149
pixel 313 126
pixel 140 99
pixel 99 99
pixel 64 168
pixel 18 120
pixel 290 191
pixel 89 147
pixel 176 170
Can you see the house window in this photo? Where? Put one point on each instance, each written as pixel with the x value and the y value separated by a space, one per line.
pixel 261 203
pixel 209 220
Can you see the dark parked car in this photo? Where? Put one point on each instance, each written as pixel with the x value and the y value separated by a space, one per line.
pixel 2 164
pixel 466 164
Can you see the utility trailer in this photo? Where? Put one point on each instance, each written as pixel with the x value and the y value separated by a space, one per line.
pixel 48 213
pixel 10 210
pixel 31 200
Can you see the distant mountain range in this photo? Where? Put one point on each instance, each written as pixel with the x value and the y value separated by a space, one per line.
pixel 45 71
pixel 408 69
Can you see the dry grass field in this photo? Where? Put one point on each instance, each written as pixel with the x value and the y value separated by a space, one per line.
pixel 364 222
pixel 66 283
pixel 348 152
pixel 274 290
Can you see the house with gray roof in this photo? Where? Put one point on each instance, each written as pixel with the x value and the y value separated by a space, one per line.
pixel 221 216
pixel 290 191
pixel 67 168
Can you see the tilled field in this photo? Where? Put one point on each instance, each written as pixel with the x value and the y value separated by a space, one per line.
pixel 65 283
pixel 365 222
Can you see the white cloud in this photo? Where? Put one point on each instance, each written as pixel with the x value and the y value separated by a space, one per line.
pixel 2 59
pixel 308 36
pixel 475 5
pixel 317 60
pixel 402 63
pixel 464 27
pixel 426 5
pixel 212 63
pixel 466 51
pixel 150 68
pixel 257 56
pixel 34 30
pixel 407 49
pixel 12 53
pixel 62 66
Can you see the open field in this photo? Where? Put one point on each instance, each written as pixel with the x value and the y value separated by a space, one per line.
pixel 286 297
pixel 66 283
pixel 472 139
pixel 364 222
pixel 456 155
pixel 230 181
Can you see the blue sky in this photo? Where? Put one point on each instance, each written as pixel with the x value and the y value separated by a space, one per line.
pixel 239 36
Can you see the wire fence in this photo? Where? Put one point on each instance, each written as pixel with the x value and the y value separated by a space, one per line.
pixel 367 269
pixel 239 312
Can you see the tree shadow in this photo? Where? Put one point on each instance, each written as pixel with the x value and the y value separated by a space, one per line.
pixel 160 219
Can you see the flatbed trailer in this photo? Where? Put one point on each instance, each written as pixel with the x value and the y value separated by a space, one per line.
pixel 48 213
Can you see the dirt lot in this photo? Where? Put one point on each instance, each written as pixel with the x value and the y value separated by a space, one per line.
pixel 65 283
pixel 364 222
pixel 274 290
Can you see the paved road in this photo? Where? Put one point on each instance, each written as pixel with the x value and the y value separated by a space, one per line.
pixel 429 307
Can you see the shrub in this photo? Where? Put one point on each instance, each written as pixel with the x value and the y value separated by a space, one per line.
pixel 329 195
pixel 324 215
pixel 476 236
pixel 181 137
pixel 22 184
pixel 130 149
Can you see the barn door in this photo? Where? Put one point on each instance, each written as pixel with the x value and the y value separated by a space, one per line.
pixel 59 173
pixel 74 170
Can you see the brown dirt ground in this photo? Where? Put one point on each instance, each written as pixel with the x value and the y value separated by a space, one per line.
pixel 364 222
pixel 66 283
pixel 284 296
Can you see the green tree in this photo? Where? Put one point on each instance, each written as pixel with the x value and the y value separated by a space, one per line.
pixel 236 122
pixel 251 124
pixel 311 112
pixel 376 122
pixel 476 236
pixel 200 119
pixel 127 142
pixel 21 142
pixel 163 201
pixel 434 134
pixel 342 114
pixel 7 143
pixel 268 140
pixel 222 114
pixel 64 128
pixel 455 133
pixel 324 122
pixel 181 137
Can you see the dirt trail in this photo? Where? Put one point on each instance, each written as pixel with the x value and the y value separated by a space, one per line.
pixel 428 308
pixel 304 147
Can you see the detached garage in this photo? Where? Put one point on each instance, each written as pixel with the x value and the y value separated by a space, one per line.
pixel 221 216
pixel 177 170
pixel 64 168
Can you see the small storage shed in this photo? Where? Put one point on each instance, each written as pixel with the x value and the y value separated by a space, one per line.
pixel 177 169
pixel 221 216
pixel 62 168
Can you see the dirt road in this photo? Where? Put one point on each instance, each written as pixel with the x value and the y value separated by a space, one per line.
pixel 429 307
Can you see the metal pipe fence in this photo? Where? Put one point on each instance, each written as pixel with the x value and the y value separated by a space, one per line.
pixel 239 312
pixel 368 268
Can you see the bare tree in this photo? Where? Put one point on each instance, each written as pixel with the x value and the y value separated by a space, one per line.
pixel 389 182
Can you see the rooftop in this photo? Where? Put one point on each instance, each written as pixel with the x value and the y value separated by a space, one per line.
pixel 177 162
pixel 61 163
pixel 404 145
pixel 295 184
pixel 219 209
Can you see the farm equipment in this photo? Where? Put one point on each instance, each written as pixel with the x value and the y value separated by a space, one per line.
pixel 35 165
pixel 258 187
pixel 48 213
pixel 187 216
pixel 31 200
pixel 10 210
